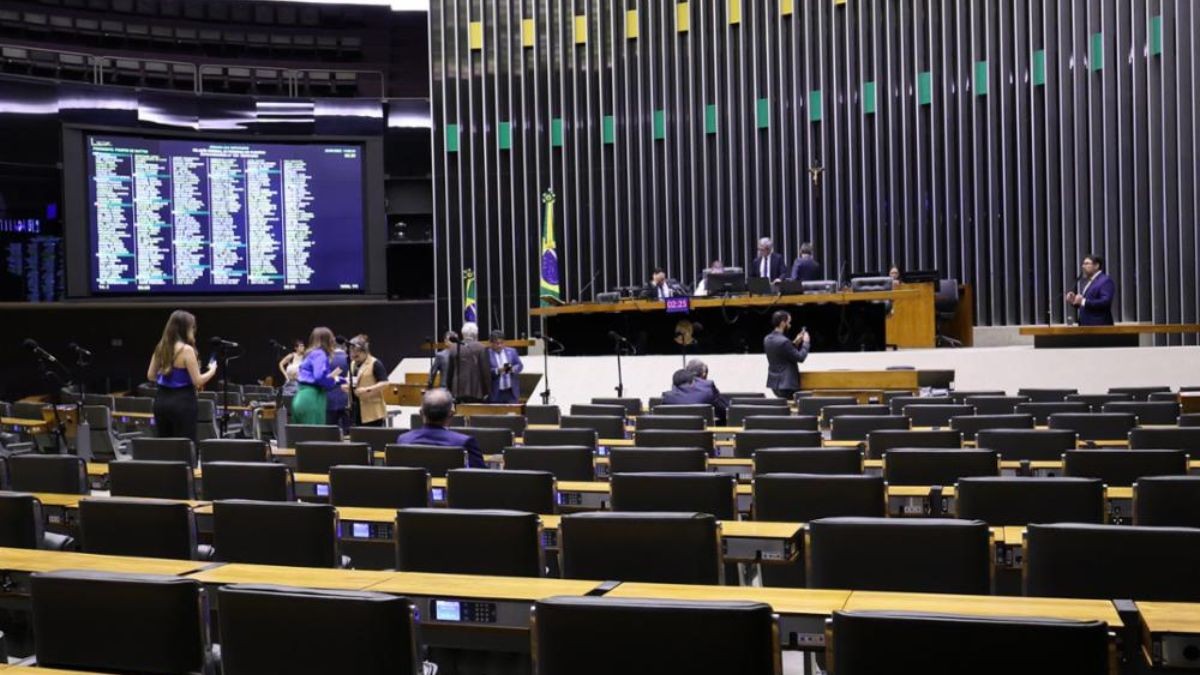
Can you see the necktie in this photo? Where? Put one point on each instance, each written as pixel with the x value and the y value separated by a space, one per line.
pixel 763 268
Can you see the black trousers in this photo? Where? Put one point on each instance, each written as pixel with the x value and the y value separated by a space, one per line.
pixel 175 412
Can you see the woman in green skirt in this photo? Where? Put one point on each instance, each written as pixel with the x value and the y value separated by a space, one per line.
pixel 308 407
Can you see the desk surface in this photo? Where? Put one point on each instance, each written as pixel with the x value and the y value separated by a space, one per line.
pixel 986 605
pixel 811 601
pixel 21 422
pixel 303 577
pixel 1170 617
pixel 72 501
pixel 1119 329
pixel 471 586
pixel 740 301
pixel 27 560
pixel 29 670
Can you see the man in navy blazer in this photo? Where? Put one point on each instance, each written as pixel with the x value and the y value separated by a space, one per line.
pixel 806 268
pixel 686 388
pixel 437 407
pixel 1094 301
pixel 768 264
pixel 506 370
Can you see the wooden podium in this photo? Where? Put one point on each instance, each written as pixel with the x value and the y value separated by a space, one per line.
pixel 1120 335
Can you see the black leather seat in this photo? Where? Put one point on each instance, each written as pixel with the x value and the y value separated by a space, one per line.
pixel 675 439
pixel 937 416
pixel 542 414
pixel 897 403
pixel 491 441
pixel 813 405
pixel 1095 426
pixel 248 480
pixel 1042 410
pixel 1035 445
pixel 701 492
pixel 1124 467
pixel 691 409
pixel 922 466
pixel 680 548
pixel 832 412
pixel 22 524
pixel 916 555
pixel 808 460
pixel 760 400
pixel 961 395
pixel 1139 393
pixel 327 631
pixel 604 426
pixel 164 449
pixel 1112 562
pixel 867 643
pixel 1181 438
pixel 319 456
pixel 745 443
pixel 65 474
pixel 568 462
pixel 514 423
pixel 669 422
pixel 995 405
pixel 387 487
pixel 1189 420
pixel 879 442
pixel 234 450
pixel 640 635
pixel 376 437
pixel 270 533
pixel 970 425
pixel 1096 402
pixel 780 423
pixel 147 529
pixel 155 480
pixel 1046 395
pixel 561 437
pixel 633 406
pixel 301 433
pixel 125 623
pixel 1157 412
pixel 532 491
pixel 641 460
pixel 1172 501
pixel 735 415
pixel 601 409
pixel 436 459
pixel 1020 501
pixel 457 541
pixel 856 427
pixel 800 498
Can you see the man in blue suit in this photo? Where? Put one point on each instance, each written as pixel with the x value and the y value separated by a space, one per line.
pixel 691 386
pixel 1094 302
pixel 806 268
pixel 506 370
pixel 437 407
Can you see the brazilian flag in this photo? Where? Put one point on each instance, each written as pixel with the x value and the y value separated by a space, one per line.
pixel 470 308
pixel 549 292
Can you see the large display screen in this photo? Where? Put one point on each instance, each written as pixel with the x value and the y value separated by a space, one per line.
pixel 215 217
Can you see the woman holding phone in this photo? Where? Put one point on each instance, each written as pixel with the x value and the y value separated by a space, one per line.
pixel 315 378
pixel 176 370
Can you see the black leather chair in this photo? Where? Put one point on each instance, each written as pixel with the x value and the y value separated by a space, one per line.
pixel 1124 467
pixel 1112 562
pixel 1171 501
pixel 1042 410
pixel 735 415
pixel 104 443
pixel 745 443
pixel 387 487
pixel 832 412
pixel 856 427
pixel 542 414
pixel 301 433
pixel 1189 420
pixel 879 442
pixel 813 405
pixel 319 456
pixel 270 533
pixel 66 474
pixel 1174 439
pixel 969 425
pixel 456 541
pixel 532 491
pixel 146 529
pixel 691 409
pixel 751 395
pixel 1139 393
pixel 1158 412
pixel 125 623
pixel 604 426
pixel 436 459
pixel 1020 501
pixel 867 643
pixel 764 401
pixel 780 423
pixel 514 423
pixel 916 555
pixel 1169 396
pixel 995 405
pixel 898 402
pixel 633 406
pixel 22 524
pixel 1095 426
pixel 155 480
pixel 1096 402
pixel 937 416
pixel 800 498
pixel 1046 395
pixel 680 548
pixel 637 634
pixel 248 480
pixel 668 422
pixel 569 462
pixel 416 422
pixel 327 631
pixel 164 449
pixel 1035 445
pixel 961 395
pixel 921 466
pixel 599 409
pixel 700 492
pixel 235 450
pixel 644 460
pixel 561 437
pixel 376 437
pixel 808 460
pixel 491 441
pixel 675 439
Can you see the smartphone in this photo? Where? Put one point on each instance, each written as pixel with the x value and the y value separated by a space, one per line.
pixel 212 360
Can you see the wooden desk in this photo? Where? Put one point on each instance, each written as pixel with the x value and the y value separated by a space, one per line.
pixel 31 670
pixel 303 577
pixel 22 422
pixel 986 605
pixel 30 561
pixel 1120 335
pixel 1171 634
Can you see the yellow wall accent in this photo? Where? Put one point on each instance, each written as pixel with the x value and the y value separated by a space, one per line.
pixel 735 11
pixel 683 17
pixel 786 7
pixel 581 29
pixel 528 32
pixel 475 34
pixel 631 24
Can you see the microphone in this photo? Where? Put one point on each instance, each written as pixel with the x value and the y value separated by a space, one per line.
pixel 276 344
pixel 222 343
pixel 617 336
pixel 547 338
pixel 79 350
pixel 33 346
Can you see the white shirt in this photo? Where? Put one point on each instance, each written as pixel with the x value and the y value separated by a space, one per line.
pixel 763 265
pixel 501 361
pixel 664 291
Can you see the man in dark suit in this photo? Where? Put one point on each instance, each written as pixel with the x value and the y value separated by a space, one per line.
pixel 687 389
pixel 784 355
pixel 506 369
pixel 806 268
pixel 1094 302
pixel 768 264
pixel 437 407
pixel 468 369
pixel 441 362
pixel 720 404
pixel 661 288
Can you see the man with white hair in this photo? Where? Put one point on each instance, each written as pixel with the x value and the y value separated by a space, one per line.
pixel 469 372
pixel 768 264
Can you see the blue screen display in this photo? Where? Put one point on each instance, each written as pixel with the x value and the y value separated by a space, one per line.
pixel 202 216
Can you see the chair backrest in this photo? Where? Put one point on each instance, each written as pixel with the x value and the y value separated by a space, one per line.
pixel 1047 445
pixel 747 442
pixel 565 462
pixel 514 423
pixel 561 437
pixel 691 409
pixel 1139 393
pixel 865 643
pixel 936 466
pixel 142 528
pixel 1124 467
pixel 1163 396
pixel 415 421
pixel 701 492
pixel 1175 439
pixel 1097 401
pixel 651 460
pixel 758 401
pixel 1156 412
pixel 300 433
pixel 164 450
pixel 103 400
pixel 757 395
pixel 65 474
pixel 1042 410
pixel 235 450
pixel 678 422
pixel 915 555
pixel 1172 501
pixel 808 460
pixel 680 548
pixel 1112 562
pixel 99 417
pixel 345 631
pixel 477 541
pixel 737 413
pixel 812 405
pixel 531 491
pixel 491 441
pixel 28 410
pixel 969 425
pixel 599 409
pixel 832 412
pixel 995 405
pixel 604 426
pixel 564 627
pixel 662 438
pixel 542 414
pixel 928 415
pixel 376 437
pixel 206 409
pixel 162 627
pixel 633 406
pixel 780 423
pixel 137 404
pixel 21 521
pixel 387 487
pixel 879 442
pixel 1020 501
pixel 1104 426
pixel 436 459
pixel 897 403
pixel 961 395
pixel 802 497
pixel 318 456
pixel 248 480
pixel 857 427
pixel 1189 420
pixel 155 480
pixel 1043 395
pixel 271 533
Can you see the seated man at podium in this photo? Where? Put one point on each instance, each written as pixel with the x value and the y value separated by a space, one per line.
pixel 702 286
pixel 1094 301
pixel 661 288
pixel 437 407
